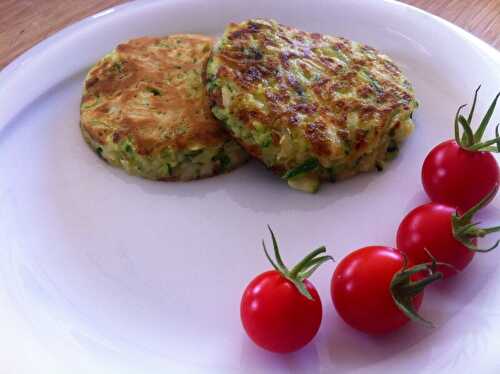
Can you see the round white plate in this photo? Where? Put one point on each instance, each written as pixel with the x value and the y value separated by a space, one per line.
pixel 104 272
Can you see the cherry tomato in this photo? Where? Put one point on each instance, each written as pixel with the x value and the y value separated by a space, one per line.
pixel 276 316
pixel 460 172
pixel 429 227
pixel 362 294
pixel 458 177
pixel 280 309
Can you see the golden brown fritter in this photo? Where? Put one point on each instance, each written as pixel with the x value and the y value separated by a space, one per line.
pixel 145 108
pixel 312 107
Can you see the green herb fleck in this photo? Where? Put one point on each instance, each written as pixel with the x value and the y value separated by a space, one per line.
pixel 393 147
pixel 192 154
pixel 223 159
pixel 91 105
pixel 118 67
pixel 392 150
pixel 253 53
pixel 154 91
pixel 332 174
pixel 306 167
pixel 373 83
pixel 99 151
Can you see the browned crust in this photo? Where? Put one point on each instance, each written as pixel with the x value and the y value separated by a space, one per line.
pixel 141 96
pixel 260 53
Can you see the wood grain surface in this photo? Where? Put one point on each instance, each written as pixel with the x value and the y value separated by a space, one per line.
pixel 23 23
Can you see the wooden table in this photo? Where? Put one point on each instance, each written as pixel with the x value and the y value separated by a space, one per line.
pixel 23 23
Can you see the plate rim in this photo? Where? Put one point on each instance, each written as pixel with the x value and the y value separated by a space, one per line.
pixel 44 47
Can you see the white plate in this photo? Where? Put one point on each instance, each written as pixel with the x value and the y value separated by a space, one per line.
pixel 104 272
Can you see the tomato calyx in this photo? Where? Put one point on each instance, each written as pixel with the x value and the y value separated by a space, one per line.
pixel 466 231
pixel 471 141
pixel 303 270
pixel 404 289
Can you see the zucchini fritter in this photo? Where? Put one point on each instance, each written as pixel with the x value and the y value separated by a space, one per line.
pixel 145 109
pixel 312 107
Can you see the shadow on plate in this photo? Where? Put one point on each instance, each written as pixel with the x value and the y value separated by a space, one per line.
pixel 348 349
pixel 254 358
pixel 253 187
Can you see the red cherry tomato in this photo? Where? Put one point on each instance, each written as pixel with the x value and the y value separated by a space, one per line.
pixel 429 227
pixel 458 177
pixel 276 316
pixel 361 290
pixel 280 309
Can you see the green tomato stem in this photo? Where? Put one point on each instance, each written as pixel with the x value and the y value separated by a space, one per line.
pixel 472 141
pixel 484 123
pixel 303 270
pixel 306 261
pixel 465 231
pixel 403 289
pixel 457 125
pixel 471 113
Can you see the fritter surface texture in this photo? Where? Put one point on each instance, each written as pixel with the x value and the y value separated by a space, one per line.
pixel 312 107
pixel 145 109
